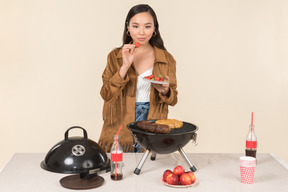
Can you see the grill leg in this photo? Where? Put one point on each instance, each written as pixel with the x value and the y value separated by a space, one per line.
pixel 138 169
pixel 192 167
pixel 153 156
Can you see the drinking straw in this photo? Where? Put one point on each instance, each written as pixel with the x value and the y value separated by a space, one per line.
pixel 251 125
pixel 116 142
pixel 121 128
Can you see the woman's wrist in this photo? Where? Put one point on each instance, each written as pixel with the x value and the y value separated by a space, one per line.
pixel 123 71
pixel 167 93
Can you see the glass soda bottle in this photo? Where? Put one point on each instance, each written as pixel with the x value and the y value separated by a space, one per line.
pixel 116 160
pixel 251 142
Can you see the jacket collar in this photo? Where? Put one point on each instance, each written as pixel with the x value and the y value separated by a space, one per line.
pixel 159 55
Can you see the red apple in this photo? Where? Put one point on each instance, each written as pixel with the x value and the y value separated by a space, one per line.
pixel 192 175
pixel 166 173
pixel 185 179
pixel 178 170
pixel 172 179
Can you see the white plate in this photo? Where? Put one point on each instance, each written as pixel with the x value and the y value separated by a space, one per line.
pixel 179 186
pixel 156 82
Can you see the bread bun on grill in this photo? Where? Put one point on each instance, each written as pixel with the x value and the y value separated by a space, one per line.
pixel 173 123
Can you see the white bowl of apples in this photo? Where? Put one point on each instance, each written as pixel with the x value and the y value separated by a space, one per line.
pixel 179 178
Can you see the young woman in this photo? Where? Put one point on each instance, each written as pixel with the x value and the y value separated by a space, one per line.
pixel 127 97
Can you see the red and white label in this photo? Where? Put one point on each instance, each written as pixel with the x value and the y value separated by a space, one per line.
pixel 116 157
pixel 251 144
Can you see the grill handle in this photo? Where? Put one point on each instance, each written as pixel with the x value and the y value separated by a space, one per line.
pixel 75 127
pixel 194 139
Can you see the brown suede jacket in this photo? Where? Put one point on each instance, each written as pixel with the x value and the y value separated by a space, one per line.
pixel 119 97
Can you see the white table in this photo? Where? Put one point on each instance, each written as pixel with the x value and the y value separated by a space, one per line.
pixel 216 172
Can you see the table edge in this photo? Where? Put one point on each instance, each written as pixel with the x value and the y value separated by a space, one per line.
pixel 282 162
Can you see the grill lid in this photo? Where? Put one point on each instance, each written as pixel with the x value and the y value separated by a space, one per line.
pixel 76 155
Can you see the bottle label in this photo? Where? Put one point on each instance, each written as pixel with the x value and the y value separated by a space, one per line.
pixel 251 144
pixel 116 157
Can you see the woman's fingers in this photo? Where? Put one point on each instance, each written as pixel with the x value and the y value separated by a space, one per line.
pixel 167 78
pixel 128 48
pixel 161 88
pixel 128 51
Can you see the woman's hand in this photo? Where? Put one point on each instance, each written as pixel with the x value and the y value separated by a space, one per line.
pixel 128 51
pixel 162 88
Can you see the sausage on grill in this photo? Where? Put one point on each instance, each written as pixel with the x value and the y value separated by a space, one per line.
pixel 153 127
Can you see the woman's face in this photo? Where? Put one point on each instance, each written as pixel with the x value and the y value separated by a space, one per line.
pixel 141 27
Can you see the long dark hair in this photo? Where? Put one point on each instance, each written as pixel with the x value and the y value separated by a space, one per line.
pixel 155 40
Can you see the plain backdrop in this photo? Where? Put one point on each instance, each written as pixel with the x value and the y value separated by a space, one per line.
pixel 231 60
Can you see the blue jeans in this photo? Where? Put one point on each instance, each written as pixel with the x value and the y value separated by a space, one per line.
pixel 141 114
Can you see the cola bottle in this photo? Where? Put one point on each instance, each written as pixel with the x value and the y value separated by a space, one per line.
pixel 251 142
pixel 116 160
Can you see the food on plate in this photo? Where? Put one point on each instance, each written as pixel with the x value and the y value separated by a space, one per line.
pixel 178 176
pixel 172 179
pixel 179 170
pixel 156 78
pixel 173 123
pixel 166 173
pixel 153 127
pixel 192 175
pixel 137 44
pixel 185 179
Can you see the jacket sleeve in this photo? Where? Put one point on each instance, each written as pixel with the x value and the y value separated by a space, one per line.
pixel 172 98
pixel 113 84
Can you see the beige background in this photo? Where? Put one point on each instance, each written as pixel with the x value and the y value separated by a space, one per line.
pixel 231 60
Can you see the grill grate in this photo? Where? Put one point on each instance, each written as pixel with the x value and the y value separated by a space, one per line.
pixel 186 128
